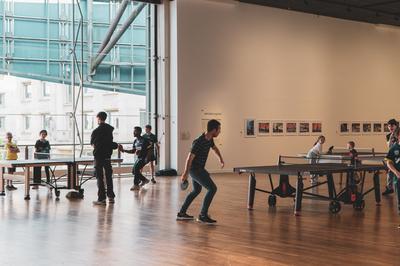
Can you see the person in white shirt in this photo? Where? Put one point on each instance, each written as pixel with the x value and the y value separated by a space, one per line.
pixel 313 155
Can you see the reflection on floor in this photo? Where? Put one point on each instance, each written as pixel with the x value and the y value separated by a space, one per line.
pixel 140 229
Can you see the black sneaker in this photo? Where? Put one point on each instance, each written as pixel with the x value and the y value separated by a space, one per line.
pixel 153 180
pixel 387 191
pixel 183 216
pixel 205 219
pixel 8 187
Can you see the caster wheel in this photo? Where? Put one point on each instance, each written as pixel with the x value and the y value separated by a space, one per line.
pixel 57 193
pixel 334 206
pixel 359 205
pixel 272 200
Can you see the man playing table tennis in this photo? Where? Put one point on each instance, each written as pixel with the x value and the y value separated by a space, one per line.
pixel 393 163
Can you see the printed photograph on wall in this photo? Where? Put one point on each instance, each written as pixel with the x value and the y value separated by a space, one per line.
pixel 366 128
pixel 356 127
pixel 316 128
pixel 291 128
pixel 304 128
pixel 377 128
pixel 385 128
pixel 277 128
pixel 249 129
pixel 263 128
pixel 344 128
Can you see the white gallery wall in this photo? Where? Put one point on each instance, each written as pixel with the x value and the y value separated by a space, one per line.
pixel 235 61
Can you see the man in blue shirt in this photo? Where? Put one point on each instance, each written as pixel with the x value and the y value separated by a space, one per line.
pixel 195 166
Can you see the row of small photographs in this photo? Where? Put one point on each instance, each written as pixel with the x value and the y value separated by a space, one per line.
pixel 279 128
pixel 346 128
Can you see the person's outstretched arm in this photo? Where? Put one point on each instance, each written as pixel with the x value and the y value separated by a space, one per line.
pixel 218 153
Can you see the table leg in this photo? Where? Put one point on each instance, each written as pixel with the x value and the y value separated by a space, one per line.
pixel 377 188
pixel 299 195
pixel 251 192
pixel 27 183
pixel 2 192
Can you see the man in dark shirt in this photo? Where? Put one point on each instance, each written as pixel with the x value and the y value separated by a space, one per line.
pixel 195 165
pixel 140 148
pixel 393 163
pixel 154 150
pixel 103 146
pixel 391 139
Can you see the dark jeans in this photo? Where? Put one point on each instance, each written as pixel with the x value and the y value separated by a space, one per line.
pixel 389 180
pixel 136 171
pixel 200 178
pixel 37 174
pixel 397 188
pixel 101 164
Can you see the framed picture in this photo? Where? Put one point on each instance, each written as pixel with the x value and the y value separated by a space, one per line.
pixel 277 128
pixel 291 128
pixel 366 128
pixel 355 127
pixel 249 128
pixel 316 128
pixel 344 128
pixel 264 128
pixel 377 127
pixel 385 128
pixel 304 128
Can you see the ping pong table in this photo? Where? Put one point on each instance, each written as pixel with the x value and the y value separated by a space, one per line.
pixel 75 177
pixel 347 195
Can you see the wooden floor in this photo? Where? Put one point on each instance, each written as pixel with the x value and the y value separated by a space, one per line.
pixel 140 229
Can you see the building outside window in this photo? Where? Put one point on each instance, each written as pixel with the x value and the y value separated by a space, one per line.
pixel 46 121
pixel 68 95
pixel 45 90
pixel 88 121
pixel 2 99
pixel 26 90
pixel 27 123
pixel 113 119
pixel 2 123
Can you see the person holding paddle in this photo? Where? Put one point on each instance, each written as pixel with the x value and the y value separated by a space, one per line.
pixel 195 166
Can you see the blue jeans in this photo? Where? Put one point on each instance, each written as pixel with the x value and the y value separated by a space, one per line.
pixel 200 178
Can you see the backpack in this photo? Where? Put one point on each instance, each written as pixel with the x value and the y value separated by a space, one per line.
pixel 167 172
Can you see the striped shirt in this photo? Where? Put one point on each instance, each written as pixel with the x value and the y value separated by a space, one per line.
pixel 200 148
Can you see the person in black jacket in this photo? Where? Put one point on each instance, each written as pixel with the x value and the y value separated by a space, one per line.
pixel 103 146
